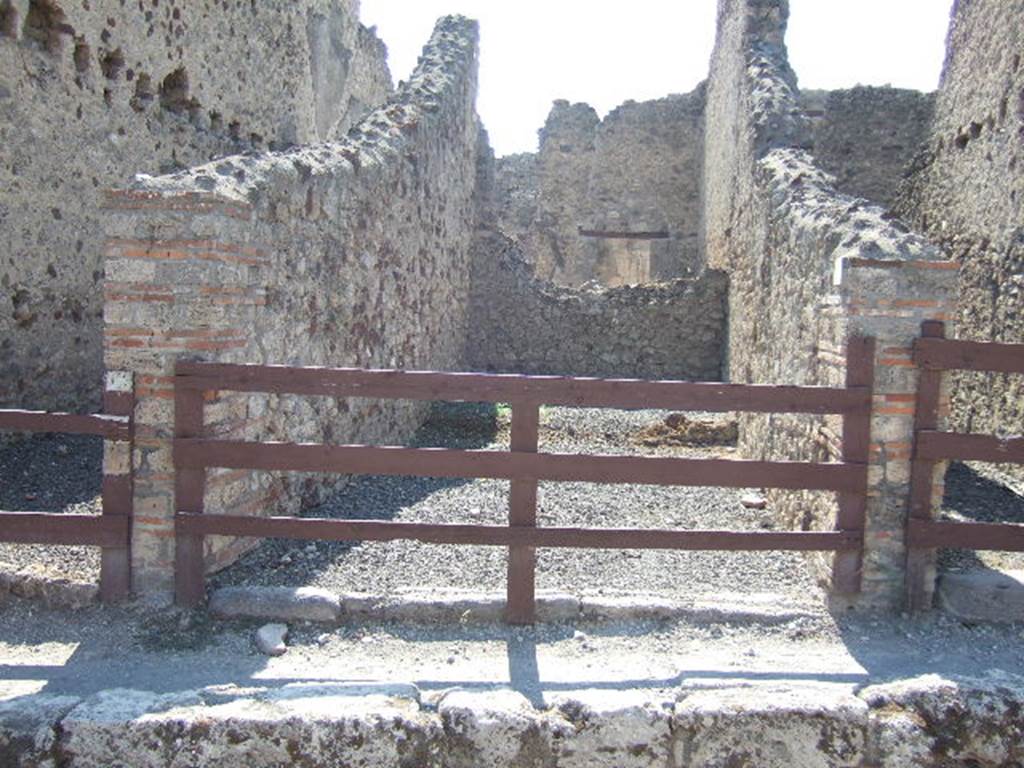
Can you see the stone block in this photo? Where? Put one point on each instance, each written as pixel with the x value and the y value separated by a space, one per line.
pixel 282 603
pixel 983 595
pixel 28 729
pixel 771 727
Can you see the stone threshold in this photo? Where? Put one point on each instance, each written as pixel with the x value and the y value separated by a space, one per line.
pixel 465 606
pixel 924 721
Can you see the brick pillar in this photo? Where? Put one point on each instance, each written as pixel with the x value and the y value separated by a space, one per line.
pixel 889 300
pixel 182 280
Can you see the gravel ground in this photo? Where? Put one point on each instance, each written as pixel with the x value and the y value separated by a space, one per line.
pixel 384 567
pixel 62 473
pixel 52 473
pixel 971 497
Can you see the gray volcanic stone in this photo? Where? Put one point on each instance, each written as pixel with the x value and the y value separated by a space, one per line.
pixel 27 729
pixel 778 727
pixel 283 603
pixel 932 720
pixel 983 595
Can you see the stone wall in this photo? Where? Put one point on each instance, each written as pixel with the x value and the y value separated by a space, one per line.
pixel 866 137
pixel 967 195
pixel 353 253
pixel 522 324
pixel 809 267
pixel 616 201
pixel 92 93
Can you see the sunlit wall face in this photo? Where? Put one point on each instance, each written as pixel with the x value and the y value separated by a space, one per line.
pixel 534 52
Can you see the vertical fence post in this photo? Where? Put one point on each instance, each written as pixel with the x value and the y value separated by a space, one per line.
pixel 922 477
pixel 189 489
pixel 847 566
pixel 522 560
pixel 115 562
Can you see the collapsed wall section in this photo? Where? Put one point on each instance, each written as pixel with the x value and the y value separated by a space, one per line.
pixel 92 93
pixel 809 267
pixel 353 253
pixel 613 201
pixel 967 194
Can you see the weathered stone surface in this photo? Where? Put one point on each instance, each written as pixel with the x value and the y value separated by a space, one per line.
pixel 297 724
pixel 27 729
pixel 147 90
pixel 628 607
pixel 521 324
pixel 497 727
pixel 284 603
pixel 926 722
pixel 593 183
pixel 615 729
pixel 353 253
pixel 867 136
pixel 57 593
pixel 933 721
pixel 965 193
pixel 444 606
pixel 270 639
pixel 808 268
pixel 983 595
pixel 762 727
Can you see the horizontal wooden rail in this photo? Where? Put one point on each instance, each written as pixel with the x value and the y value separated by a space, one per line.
pixel 1006 537
pixel 495 535
pixel 507 388
pixel 111 427
pixel 948 354
pixel 194 453
pixel 52 528
pixel 934 445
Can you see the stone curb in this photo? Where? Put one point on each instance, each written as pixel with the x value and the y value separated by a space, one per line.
pixel 924 721
pixel 53 593
pixel 462 606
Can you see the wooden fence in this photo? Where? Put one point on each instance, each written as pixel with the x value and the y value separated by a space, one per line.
pixel 934 355
pixel 194 453
pixel 112 529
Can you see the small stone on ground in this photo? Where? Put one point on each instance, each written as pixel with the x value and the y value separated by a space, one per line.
pixel 270 639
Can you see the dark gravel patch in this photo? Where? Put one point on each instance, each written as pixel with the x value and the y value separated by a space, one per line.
pixel 383 568
pixel 972 497
pixel 52 473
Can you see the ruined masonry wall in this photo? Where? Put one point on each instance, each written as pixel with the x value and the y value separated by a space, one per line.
pixel 967 195
pixel 866 137
pixel 92 93
pixel 638 170
pixel 808 267
pixel 347 254
pixel 521 324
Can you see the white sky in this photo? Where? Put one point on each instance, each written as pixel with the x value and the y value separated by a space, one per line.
pixel 534 52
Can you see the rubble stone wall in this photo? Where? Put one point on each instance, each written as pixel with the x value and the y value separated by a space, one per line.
pixel 809 267
pixel 616 201
pixel 353 253
pixel 967 194
pixel 866 137
pixel 522 324
pixel 93 93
